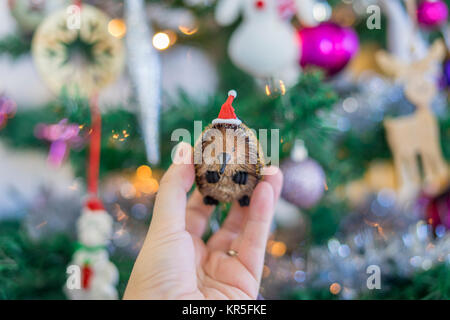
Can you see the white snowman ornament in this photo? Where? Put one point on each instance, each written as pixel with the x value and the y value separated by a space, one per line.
pixel 265 44
pixel 98 275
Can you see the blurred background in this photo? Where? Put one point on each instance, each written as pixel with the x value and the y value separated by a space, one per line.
pixel 357 88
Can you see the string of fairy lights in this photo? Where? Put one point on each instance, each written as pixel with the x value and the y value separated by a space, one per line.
pixel 161 40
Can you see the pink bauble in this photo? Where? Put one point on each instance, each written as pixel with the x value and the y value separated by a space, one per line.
pixel 432 13
pixel 328 46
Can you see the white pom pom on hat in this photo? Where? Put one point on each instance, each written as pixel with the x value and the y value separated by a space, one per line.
pixel 227 115
pixel 232 93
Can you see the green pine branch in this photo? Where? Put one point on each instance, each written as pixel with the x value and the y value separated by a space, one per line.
pixel 14 45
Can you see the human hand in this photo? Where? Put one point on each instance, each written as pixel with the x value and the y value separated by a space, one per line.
pixel 175 263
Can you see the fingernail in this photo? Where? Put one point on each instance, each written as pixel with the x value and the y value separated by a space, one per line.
pixel 270 171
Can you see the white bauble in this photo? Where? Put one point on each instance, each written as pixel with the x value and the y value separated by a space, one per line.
pixel 24 174
pixel 190 70
pixel 286 214
pixel 264 48
pixel 305 12
pixel 23 83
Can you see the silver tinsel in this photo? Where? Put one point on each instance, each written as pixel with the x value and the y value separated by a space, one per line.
pixel 144 68
pixel 399 254
pixel 367 100
pixel 396 240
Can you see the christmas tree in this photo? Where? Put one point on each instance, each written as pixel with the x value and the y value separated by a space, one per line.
pixel 335 83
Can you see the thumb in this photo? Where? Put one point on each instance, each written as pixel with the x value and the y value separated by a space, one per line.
pixel 169 213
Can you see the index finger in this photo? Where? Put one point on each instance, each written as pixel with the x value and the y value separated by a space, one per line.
pixel 197 214
pixel 251 243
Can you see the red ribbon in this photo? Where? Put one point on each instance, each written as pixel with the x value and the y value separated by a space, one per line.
pixel 94 148
pixel 93 165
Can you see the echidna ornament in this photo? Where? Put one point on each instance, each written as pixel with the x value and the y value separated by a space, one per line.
pixel 228 159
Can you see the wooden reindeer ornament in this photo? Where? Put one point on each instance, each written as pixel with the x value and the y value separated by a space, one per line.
pixel 417 135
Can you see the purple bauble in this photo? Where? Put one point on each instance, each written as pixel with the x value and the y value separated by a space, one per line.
pixel 432 13
pixel 328 46
pixel 437 209
pixel 304 182
pixel 446 80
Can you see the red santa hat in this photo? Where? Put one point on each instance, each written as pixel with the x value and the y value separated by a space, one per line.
pixel 227 115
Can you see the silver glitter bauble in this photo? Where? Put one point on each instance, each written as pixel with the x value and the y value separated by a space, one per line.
pixel 304 182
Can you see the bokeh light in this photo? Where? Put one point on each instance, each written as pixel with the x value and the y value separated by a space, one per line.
pixel 161 41
pixel 144 172
pixel 335 288
pixel 278 249
pixel 321 11
pixel 188 30
pixel 144 182
pixel 117 28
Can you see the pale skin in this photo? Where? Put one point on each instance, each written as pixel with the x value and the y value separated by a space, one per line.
pixel 175 263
